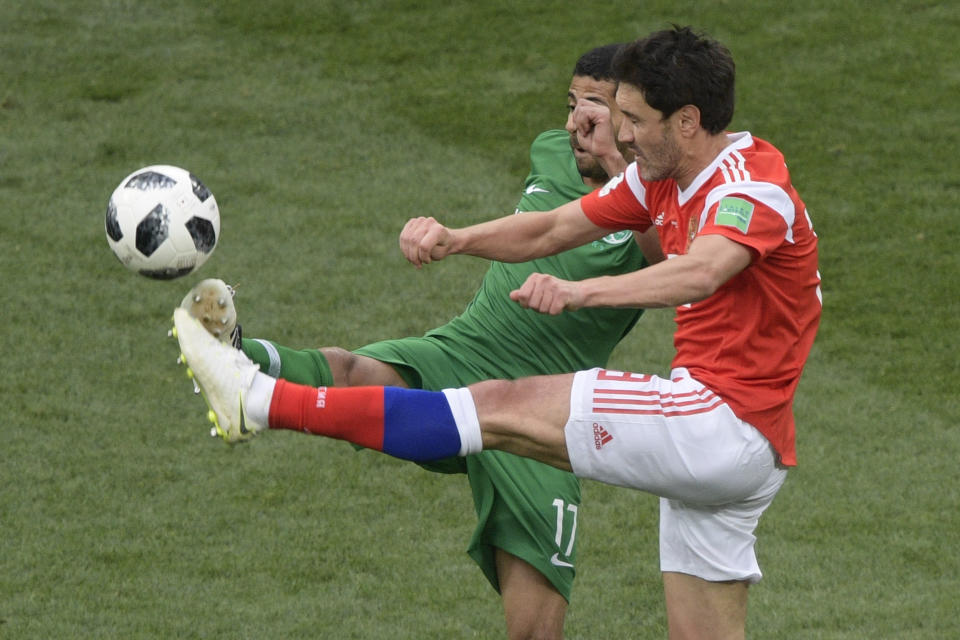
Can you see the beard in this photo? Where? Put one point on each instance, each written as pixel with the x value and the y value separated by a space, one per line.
pixel 661 161
pixel 588 166
pixel 592 170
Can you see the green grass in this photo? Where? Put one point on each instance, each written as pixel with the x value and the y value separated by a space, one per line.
pixel 321 127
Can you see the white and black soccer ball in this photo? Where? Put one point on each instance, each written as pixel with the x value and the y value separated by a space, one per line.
pixel 162 222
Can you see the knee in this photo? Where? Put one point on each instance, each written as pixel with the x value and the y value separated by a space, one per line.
pixel 342 364
pixel 539 623
pixel 492 392
pixel 500 409
pixel 538 629
pixel 548 395
pixel 352 370
pixel 525 417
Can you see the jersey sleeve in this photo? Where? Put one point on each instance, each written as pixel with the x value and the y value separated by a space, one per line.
pixel 619 204
pixel 760 220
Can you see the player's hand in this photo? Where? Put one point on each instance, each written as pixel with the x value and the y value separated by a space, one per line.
pixel 594 128
pixel 547 294
pixel 424 240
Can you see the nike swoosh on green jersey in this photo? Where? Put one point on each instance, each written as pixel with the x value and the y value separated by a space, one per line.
pixel 557 562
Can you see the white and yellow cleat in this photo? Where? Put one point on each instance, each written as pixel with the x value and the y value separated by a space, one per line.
pixel 211 302
pixel 222 374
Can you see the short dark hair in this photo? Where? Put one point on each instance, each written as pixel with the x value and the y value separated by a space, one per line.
pixel 598 63
pixel 676 67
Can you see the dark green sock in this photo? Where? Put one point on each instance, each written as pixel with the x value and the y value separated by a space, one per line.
pixel 303 366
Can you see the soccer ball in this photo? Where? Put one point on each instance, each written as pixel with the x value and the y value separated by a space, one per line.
pixel 162 222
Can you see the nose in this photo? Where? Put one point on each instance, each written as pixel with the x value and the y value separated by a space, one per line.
pixel 570 126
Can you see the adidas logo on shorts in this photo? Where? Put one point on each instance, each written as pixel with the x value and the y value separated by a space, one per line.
pixel 600 436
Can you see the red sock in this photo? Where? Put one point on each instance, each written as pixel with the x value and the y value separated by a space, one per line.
pixel 354 414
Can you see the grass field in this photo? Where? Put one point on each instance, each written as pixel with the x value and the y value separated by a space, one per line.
pixel 321 127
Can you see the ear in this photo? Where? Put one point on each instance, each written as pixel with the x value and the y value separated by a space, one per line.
pixel 687 120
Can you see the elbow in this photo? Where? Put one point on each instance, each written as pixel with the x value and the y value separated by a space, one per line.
pixel 711 271
pixel 704 284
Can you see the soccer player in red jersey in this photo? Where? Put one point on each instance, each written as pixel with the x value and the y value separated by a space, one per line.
pixel 715 438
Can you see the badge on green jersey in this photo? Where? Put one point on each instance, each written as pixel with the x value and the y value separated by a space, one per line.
pixel 617 237
pixel 734 212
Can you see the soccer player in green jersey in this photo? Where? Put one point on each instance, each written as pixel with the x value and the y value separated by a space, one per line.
pixel 525 539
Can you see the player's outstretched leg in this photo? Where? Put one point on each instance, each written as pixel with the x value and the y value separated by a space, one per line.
pixel 224 376
pixel 406 423
pixel 211 302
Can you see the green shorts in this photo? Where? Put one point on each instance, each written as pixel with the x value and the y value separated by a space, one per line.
pixel 524 507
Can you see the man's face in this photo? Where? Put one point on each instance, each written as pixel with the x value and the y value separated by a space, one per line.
pixel 602 92
pixel 648 135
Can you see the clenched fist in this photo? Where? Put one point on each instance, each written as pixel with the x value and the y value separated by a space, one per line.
pixel 547 294
pixel 424 240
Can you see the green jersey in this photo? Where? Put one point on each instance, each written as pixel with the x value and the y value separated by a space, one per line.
pixel 509 341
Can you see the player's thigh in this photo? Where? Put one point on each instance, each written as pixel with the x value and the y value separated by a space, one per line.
pixel 526 416
pixel 532 606
pixel 716 542
pixel 698 608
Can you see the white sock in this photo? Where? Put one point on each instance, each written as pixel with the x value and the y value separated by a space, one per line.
pixel 258 399
pixel 465 416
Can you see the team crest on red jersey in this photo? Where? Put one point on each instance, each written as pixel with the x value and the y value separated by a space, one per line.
pixel 692 229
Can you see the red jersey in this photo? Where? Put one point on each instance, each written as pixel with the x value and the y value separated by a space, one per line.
pixel 747 342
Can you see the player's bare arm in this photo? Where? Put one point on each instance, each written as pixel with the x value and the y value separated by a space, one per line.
pixel 711 261
pixel 514 238
pixel 649 243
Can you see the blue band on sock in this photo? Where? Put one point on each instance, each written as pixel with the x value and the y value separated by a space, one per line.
pixel 418 425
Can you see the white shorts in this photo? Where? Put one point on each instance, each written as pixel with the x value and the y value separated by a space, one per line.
pixel 715 474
